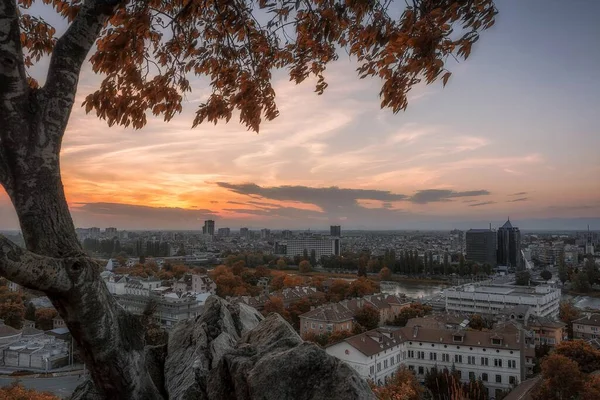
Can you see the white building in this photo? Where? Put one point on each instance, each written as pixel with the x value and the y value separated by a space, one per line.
pixel 322 246
pixel 495 358
pixel 491 299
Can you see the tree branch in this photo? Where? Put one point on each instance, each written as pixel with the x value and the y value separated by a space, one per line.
pixel 67 58
pixel 34 271
pixel 13 80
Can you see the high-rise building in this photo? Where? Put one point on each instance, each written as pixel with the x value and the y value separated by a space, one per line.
pixel 287 234
pixel 589 244
pixel 509 246
pixel 209 227
pixel 265 233
pixel 481 246
pixel 224 232
pixel 244 232
pixel 335 230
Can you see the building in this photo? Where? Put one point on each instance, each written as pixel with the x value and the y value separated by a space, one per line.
pixel 322 246
pixel 509 246
pixel 111 232
pixel 265 233
pixel 493 299
pixel 546 331
pixel 196 284
pixel 224 232
pixel 335 231
pixel 481 246
pixel 587 327
pixel 244 232
pixel 287 234
pixel 493 357
pixel 328 318
pixel 169 308
pixel 209 227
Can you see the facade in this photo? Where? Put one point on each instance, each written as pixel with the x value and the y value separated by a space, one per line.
pixel 209 227
pixel 265 233
pixel 509 246
pixel 287 234
pixel 195 283
pixel 244 232
pixel 546 331
pixel 493 299
pixel 335 231
pixel 493 357
pixel 587 327
pixel 224 232
pixel 170 308
pixel 321 245
pixel 481 246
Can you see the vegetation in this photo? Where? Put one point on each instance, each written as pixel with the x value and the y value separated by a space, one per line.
pixel 546 275
pixel 402 386
pixel 44 317
pixel 367 317
pixel 12 309
pixel 522 278
pixel 567 314
pixel 445 385
pixel 304 267
pixel 15 391
pixel 415 310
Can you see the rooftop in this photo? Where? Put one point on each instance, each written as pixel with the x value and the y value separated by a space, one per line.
pixel 590 319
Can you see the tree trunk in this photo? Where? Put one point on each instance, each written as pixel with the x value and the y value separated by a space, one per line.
pixel 32 124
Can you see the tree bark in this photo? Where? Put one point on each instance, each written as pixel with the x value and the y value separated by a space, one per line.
pixel 32 124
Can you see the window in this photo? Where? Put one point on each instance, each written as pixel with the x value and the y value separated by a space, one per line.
pixel 498 362
pixel 484 361
pixel 411 367
pixel 411 354
pixel 421 371
pixel 398 358
pixel 433 356
pixel 512 380
pixel 512 364
pixel 385 364
pixel 484 377
pixel 498 378
pixel 392 360
pixel 471 376
pixel 471 360
pixel 421 355
pixel 446 357
pixel 321 327
pixel 457 358
pixel 378 367
pixel 458 338
pixel 372 369
pixel 312 325
pixel 459 374
pixel 497 341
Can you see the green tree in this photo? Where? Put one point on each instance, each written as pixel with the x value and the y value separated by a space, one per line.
pixel 368 317
pixel 148 54
pixel 522 278
pixel 546 275
pixel 581 282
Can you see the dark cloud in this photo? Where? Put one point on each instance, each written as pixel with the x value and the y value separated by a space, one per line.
pixel 330 199
pixel 470 201
pixel 519 199
pixel 518 194
pixel 435 195
pixel 280 212
pixel 485 203
pixel 138 217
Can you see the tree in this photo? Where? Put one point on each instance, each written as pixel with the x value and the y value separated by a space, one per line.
pixel 281 264
pixel 15 391
pixel 567 314
pixel 44 317
pixel 385 274
pixel 546 275
pixel 362 271
pixel 561 379
pixel 275 304
pixel 403 385
pixel 581 282
pixel 413 311
pixel 522 278
pixel 148 52
pixel 12 309
pixel 477 322
pixel 563 273
pixel 368 317
pixel 304 267
pixel 586 356
pixel 30 312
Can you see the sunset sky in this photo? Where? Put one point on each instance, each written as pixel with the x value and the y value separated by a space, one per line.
pixel 515 132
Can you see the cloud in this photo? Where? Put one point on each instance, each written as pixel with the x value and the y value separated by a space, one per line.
pixel 435 195
pixel 518 200
pixel 485 203
pixel 329 199
pixel 518 194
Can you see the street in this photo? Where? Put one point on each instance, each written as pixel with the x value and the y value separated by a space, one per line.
pixel 61 386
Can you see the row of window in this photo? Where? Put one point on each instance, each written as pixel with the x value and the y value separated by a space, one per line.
pixel 387 363
pixel 458 359
pixel 484 376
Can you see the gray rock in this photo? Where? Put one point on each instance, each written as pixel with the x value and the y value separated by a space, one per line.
pixel 86 391
pixel 221 345
pixel 245 317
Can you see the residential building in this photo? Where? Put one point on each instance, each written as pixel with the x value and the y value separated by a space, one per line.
pixel 335 231
pixel 265 233
pixel 509 246
pixel 587 327
pixel 481 246
pixel 169 309
pixel 209 227
pixel 492 357
pixel 196 284
pixel 546 331
pixel 492 299
pixel 287 295
pixel 244 232
pixel 110 232
pixel 287 234
pixel 326 319
pixel 321 245
pixel 224 232
pixel 58 322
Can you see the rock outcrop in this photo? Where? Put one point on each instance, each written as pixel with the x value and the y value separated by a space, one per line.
pixel 231 352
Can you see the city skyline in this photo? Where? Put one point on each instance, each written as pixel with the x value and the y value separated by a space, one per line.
pixel 513 133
